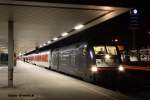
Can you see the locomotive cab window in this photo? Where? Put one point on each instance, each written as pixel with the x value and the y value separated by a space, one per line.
pixel 105 56
pixel 99 50
pixel 111 50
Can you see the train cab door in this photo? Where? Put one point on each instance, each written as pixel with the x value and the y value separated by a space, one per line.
pixel 81 61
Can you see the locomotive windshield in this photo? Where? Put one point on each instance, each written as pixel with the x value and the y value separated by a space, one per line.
pixel 106 56
pixel 101 50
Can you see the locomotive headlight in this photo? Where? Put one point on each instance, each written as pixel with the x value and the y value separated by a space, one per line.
pixel 94 69
pixel 121 68
pixel 107 56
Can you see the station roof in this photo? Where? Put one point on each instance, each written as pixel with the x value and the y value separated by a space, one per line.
pixel 36 23
pixel 117 3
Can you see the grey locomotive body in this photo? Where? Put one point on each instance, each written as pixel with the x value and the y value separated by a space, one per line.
pixel 83 60
pixel 88 62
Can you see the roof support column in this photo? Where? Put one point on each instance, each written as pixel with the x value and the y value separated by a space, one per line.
pixel 10 52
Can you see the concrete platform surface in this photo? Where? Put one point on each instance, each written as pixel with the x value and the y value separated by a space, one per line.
pixel 36 83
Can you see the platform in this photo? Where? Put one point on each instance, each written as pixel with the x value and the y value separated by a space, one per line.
pixel 36 83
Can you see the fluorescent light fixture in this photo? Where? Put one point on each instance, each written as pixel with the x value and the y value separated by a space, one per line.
pixel 55 38
pixel 44 44
pixel 49 42
pixel 40 46
pixel 78 26
pixel 64 34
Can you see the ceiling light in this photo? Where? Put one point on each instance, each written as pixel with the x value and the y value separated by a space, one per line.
pixel 55 38
pixel 40 46
pixel 44 44
pixel 49 42
pixel 64 34
pixel 79 26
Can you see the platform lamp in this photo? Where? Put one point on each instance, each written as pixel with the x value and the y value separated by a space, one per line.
pixel 134 25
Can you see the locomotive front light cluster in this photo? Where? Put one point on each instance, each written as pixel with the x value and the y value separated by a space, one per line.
pixel 94 69
pixel 121 68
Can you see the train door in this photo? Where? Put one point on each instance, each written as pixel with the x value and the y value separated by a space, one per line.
pixel 55 59
pixel 65 60
pixel 81 61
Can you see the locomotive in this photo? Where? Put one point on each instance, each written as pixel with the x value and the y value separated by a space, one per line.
pixel 83 60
